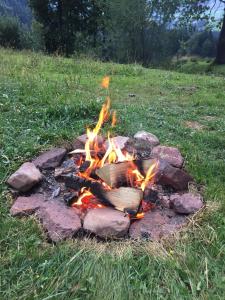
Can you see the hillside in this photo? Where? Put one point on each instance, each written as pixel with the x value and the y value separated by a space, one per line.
pixel 46 101
pixel 16 8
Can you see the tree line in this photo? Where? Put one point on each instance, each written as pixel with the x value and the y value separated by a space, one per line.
pixel 148 32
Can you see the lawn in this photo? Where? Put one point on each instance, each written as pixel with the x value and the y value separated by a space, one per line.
pixel 45 101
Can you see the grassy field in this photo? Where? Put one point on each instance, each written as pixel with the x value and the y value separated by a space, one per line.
pixel 47 100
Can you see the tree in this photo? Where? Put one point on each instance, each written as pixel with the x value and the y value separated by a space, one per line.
pixel 9 33
pixel 62 20
pixel 197 10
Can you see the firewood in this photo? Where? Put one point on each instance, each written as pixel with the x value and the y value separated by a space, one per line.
pixel 114 174
pixel 77 183
pixel 125 198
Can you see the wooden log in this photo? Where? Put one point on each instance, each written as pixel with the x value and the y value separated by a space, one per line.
pixel 125 198
pixel 77 183
pixel 114 175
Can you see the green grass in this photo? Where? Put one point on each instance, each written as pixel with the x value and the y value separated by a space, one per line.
pixel 47 100
pixel 197 65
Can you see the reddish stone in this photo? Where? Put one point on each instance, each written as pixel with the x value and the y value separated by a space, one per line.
pixel 80 141
pixel 106 222
pixel 59 221
pixel 24 206
pixel 187 203
pixel 25 177
pixel 50 159
pixel 147 136
pixel 157 224
pixel 170 154
pixel 174 177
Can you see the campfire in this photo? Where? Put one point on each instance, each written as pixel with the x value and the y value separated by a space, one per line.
pixel 108 175
pixel 111 186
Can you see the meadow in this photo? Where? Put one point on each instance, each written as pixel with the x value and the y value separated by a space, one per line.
pixel 46 101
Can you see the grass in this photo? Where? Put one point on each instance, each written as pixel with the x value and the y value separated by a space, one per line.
pixel 198 65
pixel 47 100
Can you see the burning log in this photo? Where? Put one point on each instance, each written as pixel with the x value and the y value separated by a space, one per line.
pixel 125 198
pixel 77 183
pixel 114 174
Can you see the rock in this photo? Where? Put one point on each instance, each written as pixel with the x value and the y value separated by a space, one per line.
pixel 174 177
pixel 156 224
pixel 68 166
pixel 141 148
pixel 59 221
pixel 80 141
pixel 24 206
pixel 187 203
pixel 164 200
pixel 147 136
pixel 106 222
pixel 25 177
pixel 50 159
pixel 170 154
pixel 119 141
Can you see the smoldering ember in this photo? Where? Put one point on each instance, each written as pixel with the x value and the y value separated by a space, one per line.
pixel 110 187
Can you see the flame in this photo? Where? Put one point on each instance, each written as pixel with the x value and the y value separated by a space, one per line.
pixel 114 119
pixel 139 216
pixel 150 176
pixel 105 82
pixel 113 154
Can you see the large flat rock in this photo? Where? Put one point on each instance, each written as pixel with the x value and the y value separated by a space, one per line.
pixel 25 177
pixel 106 222
pixel 50 159
pixel 157 224
pixel 25 206
pixel 59 221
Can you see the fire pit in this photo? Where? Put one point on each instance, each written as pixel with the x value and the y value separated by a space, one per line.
pixel 110 187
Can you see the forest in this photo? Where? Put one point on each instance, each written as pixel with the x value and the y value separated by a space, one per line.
pixel 147 32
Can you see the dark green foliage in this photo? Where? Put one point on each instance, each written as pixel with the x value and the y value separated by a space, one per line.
pixel 63 20
pixel 9 33
pixel 202 44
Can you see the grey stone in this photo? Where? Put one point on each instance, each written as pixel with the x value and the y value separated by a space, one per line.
pixel 147 136
pixel 25 177
pixel 141 148
pixel 187 203
pixel 50 159
pixel 106 222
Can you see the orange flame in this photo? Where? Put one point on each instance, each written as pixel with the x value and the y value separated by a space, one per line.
pixel 114 119
pixel 105 82
pixel 113 154
pixel 150 176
